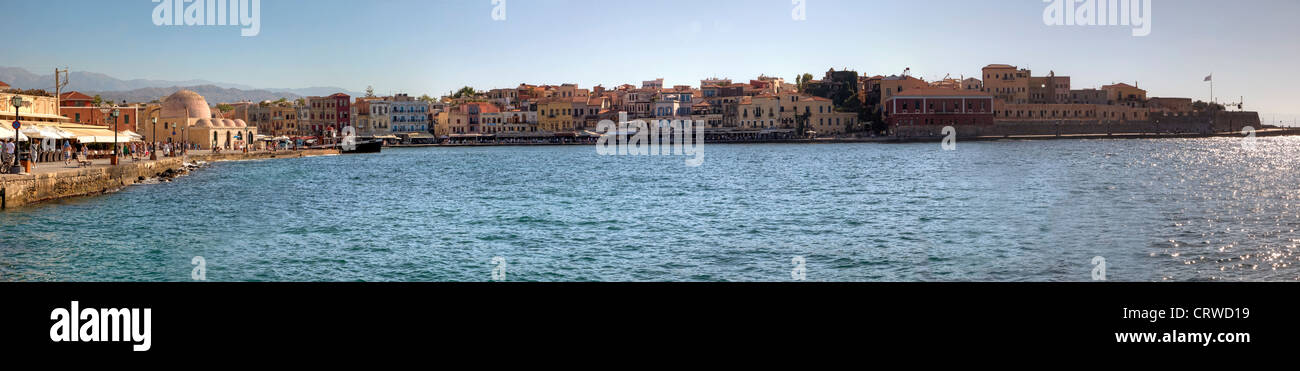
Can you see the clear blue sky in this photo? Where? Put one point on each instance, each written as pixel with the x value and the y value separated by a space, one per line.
pixel 423 46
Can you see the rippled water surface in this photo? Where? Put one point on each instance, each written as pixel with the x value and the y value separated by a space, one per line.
pixel 1175 209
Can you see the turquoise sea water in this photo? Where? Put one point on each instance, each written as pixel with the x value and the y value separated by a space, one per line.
pixel 1168 209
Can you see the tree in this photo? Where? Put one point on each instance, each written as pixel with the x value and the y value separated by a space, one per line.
pixel 802 81
pixel 1202 106
pixel 427 98
pixel 370 92
pixel 225 107
pixel 97 100
pixel 801 123
pixel 465 92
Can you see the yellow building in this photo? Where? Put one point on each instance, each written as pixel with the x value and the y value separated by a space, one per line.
pixel 1122 93
pixel 1007 83
pixel 186 117
pixel 556 115
pixel 762 111
pixel 822 117
pixel 894 85
pixel 1068 112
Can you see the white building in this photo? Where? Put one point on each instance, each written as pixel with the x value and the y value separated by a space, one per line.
pixel 408 115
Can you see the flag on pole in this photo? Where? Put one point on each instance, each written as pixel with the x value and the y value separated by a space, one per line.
pixel 1209 78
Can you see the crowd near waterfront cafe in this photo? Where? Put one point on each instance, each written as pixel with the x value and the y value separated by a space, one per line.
pixel 42 133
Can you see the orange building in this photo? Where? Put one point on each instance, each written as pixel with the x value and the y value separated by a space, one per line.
pixel 80 108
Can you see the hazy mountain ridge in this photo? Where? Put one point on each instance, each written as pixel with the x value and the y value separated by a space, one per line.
pixel 214 94
pixel 97 83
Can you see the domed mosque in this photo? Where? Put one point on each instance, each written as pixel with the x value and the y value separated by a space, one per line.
pixel 186 116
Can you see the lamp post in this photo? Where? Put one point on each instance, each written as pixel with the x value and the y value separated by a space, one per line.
pixel 112 113
pixel 153 152
pixel 171 139
pixel 17 102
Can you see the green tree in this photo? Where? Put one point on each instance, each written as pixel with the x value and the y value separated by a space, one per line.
pixel 465 92
pixel 225 107
pixel 802 81
pixel 370 92
pixel 97 100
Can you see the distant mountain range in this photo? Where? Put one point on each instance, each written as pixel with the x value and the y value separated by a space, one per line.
pixel 109 87
pixel 212 93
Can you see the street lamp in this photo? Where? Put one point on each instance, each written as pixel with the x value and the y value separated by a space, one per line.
pixel 153 155
pixel 17 102
pixel 112 113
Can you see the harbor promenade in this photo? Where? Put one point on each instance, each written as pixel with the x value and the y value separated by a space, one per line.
pixel 55 180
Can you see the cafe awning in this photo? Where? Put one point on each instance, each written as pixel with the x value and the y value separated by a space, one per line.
pixel 45 132
pixel 8 133
pixel 87 135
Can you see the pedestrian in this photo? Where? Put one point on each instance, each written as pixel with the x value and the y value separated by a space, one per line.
pixel 10 149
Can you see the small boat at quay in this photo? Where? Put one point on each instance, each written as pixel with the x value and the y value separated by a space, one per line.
pixel 359 147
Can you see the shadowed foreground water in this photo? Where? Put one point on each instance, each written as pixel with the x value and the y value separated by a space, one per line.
pixel 1175 209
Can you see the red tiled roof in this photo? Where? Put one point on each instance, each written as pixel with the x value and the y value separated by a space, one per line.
pixel 75 95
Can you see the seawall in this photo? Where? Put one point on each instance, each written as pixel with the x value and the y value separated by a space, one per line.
pixel 22 190
pixel 61 182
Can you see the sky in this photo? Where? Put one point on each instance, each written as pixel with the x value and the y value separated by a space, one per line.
pixel 434 46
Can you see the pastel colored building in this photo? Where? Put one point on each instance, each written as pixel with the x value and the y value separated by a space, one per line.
pixel 408 115
pixel 1007 83
pixel 79 108
pixel 939 107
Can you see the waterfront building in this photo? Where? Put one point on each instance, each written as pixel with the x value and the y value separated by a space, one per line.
pixel 656 84
pixel 408 118
pixel 570 91
pixel 380 121
pixel 493 122
pixel 1007 83
pixel 1125 94
pixel 1052 113
pixel 327 114
pixel 303 106
pixel 942 107
pixel 1050 89
pixel 763 111
pixel 80 108
pixel 38 110
pixel 894 85
pixel 283 120
pixel 706 114
pixel 673 103
pixel 186 116
pixel 519 121
pixel 1088 96
pixel 452 121
pixel 821 117
pixel 556 115
pixel 475 111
